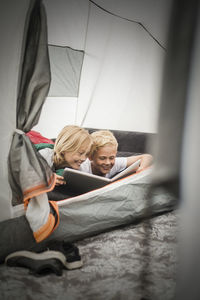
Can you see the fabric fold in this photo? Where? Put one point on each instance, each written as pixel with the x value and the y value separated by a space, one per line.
pixel 30 177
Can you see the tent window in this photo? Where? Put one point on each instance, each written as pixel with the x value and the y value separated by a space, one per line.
pixel 66 64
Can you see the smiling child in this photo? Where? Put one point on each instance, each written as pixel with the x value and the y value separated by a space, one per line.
pixel 102 159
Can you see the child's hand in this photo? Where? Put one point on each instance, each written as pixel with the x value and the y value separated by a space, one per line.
pixel 60 180
pixel 146 161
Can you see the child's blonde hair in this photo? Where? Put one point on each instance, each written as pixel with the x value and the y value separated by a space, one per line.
pixel 70 139
pixel 100 139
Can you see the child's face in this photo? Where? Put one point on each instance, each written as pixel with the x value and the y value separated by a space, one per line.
pixel 75 159
pixel 103 160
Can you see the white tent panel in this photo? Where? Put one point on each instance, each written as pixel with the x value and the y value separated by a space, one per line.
pixel 56 113
pixel 67 22
pixel 122 68
pixel 11 32
pixel 121 75
pixel 153 14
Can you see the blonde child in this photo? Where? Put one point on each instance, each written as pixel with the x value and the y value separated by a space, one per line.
pixel 102 158
pixel 71 149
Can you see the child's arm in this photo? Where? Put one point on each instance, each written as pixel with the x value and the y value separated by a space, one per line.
pixel 146 160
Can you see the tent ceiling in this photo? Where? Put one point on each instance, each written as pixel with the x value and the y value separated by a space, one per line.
pixel 122 67
pixel 153 14
pixel 67 22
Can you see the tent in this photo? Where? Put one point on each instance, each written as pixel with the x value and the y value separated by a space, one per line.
pixel 104 46
pixel 102 57
pixel 92 59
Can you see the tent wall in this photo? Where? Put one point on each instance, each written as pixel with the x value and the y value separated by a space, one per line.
pixel 122 67
pixel 12 20
pixel 124 60
pixel 189 267
pixel 67 22
pixel 149 12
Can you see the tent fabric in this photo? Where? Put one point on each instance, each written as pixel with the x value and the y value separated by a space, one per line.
pixel 120 58
pixel 125 201
pixel 29 175
pixel 12 24
pixel 66 64
pixel 35 72
pixel 177 155
pixel 25 178
pixel 190 187
pixel 174 94
pixel 117 65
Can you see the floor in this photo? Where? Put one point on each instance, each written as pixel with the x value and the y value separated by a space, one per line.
pixel 134 262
